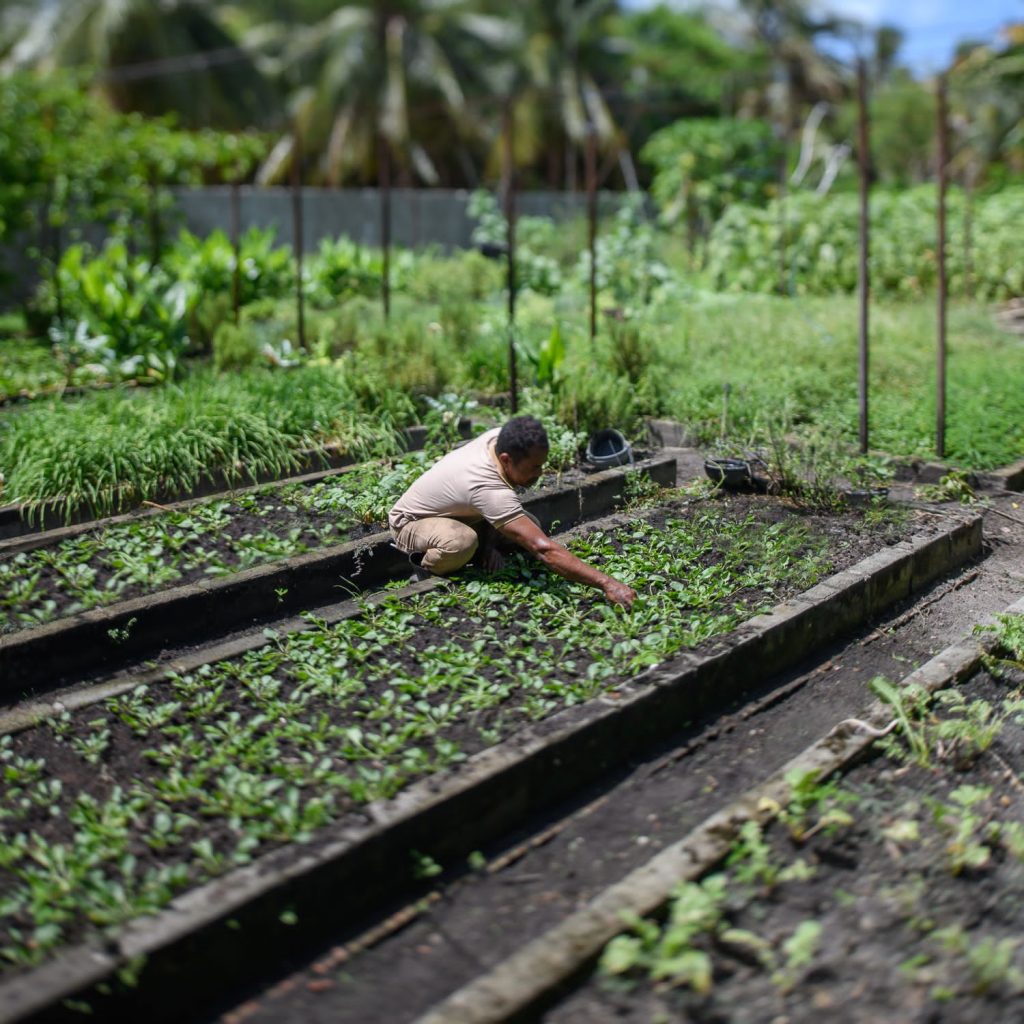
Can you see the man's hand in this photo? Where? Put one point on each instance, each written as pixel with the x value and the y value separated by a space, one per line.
pixel 619 593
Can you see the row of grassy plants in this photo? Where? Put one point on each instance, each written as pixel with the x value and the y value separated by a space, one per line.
pixel 110 451
pixel 109 811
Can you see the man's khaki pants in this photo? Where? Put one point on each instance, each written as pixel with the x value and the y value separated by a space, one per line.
pixel 446 544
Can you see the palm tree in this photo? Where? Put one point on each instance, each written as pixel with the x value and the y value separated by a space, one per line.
pixel 152 58
pixel 401 71
pixel 570 59
pixel 988 105
pixel 805 74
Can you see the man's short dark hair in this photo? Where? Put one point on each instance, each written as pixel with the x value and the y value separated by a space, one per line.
pixel 520 436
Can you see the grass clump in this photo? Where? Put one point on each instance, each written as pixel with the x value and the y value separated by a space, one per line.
pixel 110 451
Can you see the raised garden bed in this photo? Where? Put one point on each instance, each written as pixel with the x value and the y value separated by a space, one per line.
pixel 318 731
pixel 51 576
pixel 896 888
pixel 19 520
pixel 197 557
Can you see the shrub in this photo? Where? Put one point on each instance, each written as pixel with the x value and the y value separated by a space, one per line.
pixel 821 239
pixel 233 348
pixel 209 263
pixel 703 165
pixel 120 312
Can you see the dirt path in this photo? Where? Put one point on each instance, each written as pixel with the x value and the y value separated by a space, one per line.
pixel 468 919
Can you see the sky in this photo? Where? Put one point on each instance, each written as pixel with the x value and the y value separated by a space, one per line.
pixel 932 28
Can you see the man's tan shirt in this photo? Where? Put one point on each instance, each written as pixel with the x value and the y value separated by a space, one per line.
pixel 467 484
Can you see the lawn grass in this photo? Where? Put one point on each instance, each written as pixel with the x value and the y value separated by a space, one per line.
pixel 794 361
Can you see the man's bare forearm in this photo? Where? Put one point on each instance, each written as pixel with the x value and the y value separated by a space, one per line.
pixel 561 560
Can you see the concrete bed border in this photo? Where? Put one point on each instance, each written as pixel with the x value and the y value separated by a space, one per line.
pixel 543 970
pixel 103 639
pixel 230 929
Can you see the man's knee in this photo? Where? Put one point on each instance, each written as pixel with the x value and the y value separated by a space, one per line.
pixel 451 549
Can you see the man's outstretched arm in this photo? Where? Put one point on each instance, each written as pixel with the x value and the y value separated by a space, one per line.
pixel 528 535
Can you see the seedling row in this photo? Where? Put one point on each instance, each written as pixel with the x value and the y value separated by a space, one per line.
pixel 111 811
pixel 896 888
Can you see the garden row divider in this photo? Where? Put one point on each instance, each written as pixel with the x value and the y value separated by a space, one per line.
pixel 21 520
pixel 543 970
pixel 104 639
pixel 230 931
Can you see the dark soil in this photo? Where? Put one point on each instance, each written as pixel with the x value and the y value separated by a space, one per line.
pixel 908 933
pixel 125 761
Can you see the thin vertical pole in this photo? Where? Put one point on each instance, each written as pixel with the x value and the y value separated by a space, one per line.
pixel 384 187
pixel 236 246
pixel 863 277
pixel 968 231
pixel 940 383
pixel 155 239
pixel 510 253
pixel 783 166
pixel 592 218
pixel 53 223
pixel 297 235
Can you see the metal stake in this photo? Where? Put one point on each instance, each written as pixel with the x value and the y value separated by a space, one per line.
pixel 236 245
pixel 592 218
pixel 384 186
pixel 297 235
pixel 863 277
pixel 510 224
pixel 940 383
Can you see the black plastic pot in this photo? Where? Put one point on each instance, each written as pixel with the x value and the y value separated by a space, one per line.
pixel 608 448
pixel 867 495
pixel 728 473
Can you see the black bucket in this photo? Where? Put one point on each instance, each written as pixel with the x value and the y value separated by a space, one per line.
pixel 608 448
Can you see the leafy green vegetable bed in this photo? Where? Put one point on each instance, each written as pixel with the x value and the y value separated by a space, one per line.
pixel 908 871
pixel 213 538
pixel 108 812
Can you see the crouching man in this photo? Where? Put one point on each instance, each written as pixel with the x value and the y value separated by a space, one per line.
pixel 461 505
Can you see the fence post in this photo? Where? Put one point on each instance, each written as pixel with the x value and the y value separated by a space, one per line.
pixel 384 187
pixel 863 277
pixel 155 233
pixel 592 219
pixel 297 235
pixel 236 246
pixel 940 255
pixel 783 165
pixel 510 249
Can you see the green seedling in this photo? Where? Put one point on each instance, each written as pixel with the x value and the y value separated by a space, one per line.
pixel 907 704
